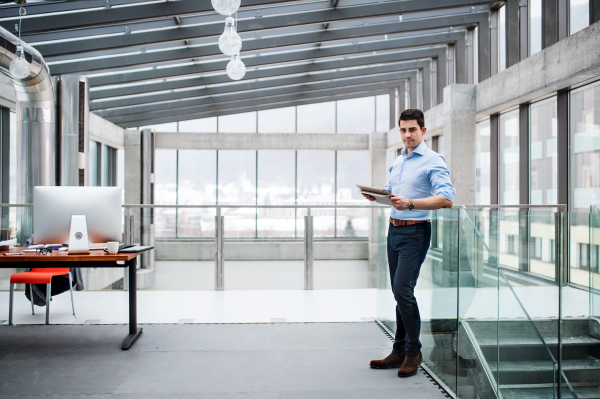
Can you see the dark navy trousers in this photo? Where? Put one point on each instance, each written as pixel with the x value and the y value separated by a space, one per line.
pixel 407 247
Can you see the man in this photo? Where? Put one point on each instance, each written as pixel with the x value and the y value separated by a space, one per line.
pixel 419 182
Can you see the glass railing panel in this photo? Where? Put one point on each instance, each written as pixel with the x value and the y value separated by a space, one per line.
pixel 507 238
pixel 191 223
pixel 477 343
pixel 352 222
pixel 276 223
pixel 527 365
pixel 526 361
pixel 595 261
pixel 386 304
pixel 580 249
pixel 437 295
pixel 15 223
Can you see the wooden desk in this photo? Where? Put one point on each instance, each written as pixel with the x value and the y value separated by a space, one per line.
pixel 95 259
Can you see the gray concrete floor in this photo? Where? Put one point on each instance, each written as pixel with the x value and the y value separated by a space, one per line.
pixel 216 361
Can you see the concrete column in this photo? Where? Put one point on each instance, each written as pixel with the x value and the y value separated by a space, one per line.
pixel 73 131
pixel 133 175
pixel 459 140
pixel 377 152
pixel 137 190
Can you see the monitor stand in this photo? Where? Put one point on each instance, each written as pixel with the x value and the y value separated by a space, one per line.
pixel 78 238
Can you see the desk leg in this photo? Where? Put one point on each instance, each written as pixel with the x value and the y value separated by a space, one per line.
pixel 134 331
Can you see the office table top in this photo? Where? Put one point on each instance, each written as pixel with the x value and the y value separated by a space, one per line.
pixel 63 256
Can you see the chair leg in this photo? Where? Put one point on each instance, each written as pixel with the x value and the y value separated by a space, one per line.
pixel 48 298
pixel 31 296
pixel 71 288
pixel 10 304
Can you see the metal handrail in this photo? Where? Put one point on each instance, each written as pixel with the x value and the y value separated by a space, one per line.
pixel 562 207
pixel 251 206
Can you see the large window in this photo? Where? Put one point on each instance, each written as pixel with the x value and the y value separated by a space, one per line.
pixel 316 118
pixel 165 192
pixel 264 177
pixel 350 169
pixel 280 120
pixel 196 172
pixel 102 164
pixel 509 158
pixel 205 125
pixel 316 185
pixel 357 115
pixel 236 184
pixel 276 185
pixel 585 147
pixel 579 15
pixel 238 123
pixel 502 38
pixel 542 153
pixel 535 26
pixel 482 162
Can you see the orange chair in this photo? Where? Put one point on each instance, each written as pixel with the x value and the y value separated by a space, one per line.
pixel 38 276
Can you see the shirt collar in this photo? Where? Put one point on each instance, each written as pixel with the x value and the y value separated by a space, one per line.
pixel 420 149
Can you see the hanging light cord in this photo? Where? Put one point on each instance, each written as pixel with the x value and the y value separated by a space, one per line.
pixel 21 13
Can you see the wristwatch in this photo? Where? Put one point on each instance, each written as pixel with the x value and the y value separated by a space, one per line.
pixel 411 205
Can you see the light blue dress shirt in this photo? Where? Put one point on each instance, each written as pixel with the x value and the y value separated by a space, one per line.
pixel 420 175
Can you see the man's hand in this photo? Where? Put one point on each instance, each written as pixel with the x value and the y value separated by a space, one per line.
pixel 369 197
pixel 399 202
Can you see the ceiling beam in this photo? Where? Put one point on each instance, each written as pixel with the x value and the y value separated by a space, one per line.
pixel 268 96
pixel 255 108
pixel 166 100
pixel 263 104
pixel 12 10
pixel 313 54
pixel 203 51
pixel 148 11
pixel 115 15
pixel 198 82
pixel 180 33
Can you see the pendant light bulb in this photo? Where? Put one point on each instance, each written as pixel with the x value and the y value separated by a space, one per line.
pixel 230 43
pixel 236 68
pixel 226 7
pixel 19 67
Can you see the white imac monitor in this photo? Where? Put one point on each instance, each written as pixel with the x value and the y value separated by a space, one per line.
pixel 54 209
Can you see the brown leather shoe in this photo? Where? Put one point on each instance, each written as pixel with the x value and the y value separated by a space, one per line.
pixel 391 361
pixel 410 365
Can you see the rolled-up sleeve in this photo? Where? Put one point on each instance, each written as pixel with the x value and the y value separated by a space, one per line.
pixel 439 175
pixel 388 186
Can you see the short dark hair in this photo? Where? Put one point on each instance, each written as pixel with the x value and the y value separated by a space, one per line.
pixel 413 115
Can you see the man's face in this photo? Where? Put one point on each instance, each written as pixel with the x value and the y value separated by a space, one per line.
pixel 412 134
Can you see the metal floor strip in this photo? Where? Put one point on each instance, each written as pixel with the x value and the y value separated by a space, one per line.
pixel 439 383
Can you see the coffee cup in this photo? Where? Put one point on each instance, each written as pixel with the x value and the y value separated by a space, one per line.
pixel 112 247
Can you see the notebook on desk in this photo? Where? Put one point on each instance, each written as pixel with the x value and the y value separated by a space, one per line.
pixel 134 249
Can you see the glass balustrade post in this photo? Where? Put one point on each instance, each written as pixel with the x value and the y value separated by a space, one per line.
pixel 219 241
pixel 308 250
